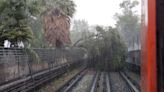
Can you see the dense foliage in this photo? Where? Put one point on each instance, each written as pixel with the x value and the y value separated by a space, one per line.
pixel 38 22
pixel 106 49
pixel 28 21
pixel 128 22
pixel 14 25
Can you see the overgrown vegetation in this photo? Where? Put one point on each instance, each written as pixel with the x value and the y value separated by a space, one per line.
pixel 128 22
pixel 14 25
pixel 27 22
pixel 106 49
pixel 38 22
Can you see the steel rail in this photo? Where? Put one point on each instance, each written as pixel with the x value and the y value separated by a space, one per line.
pixel 137 85
pixel 94 83
pixel 66 87
pixel 108 88
pixel 129 82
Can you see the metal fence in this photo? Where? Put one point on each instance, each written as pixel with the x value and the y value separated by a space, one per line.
pixel 16 63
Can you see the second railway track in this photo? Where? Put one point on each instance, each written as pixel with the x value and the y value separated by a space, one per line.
pixel 29 83
pixel 120 83
pixel 86 80
pixel 112 82
pixel 68 86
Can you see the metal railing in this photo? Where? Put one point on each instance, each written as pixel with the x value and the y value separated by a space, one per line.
pixel 16 63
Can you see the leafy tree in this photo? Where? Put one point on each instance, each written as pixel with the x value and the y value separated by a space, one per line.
pixel 13 24
pixel 106 49
pixel 128 22
pixel 112 48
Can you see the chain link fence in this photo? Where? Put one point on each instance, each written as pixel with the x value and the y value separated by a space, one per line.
pixel 17 63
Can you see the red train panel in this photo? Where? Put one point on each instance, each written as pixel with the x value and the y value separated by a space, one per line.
pixel 148 53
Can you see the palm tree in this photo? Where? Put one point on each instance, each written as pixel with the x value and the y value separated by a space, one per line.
pixel 13 24
pixel 56 20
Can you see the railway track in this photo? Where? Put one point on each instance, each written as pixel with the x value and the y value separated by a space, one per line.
pixel 112 82
pixel 84 83
pixel 29 83
pixel 97 82
pixel 68 86
pixel 120 83
pixel 134 78
pixel 100 83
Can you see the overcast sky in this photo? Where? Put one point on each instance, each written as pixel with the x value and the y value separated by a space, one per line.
pixel 98 11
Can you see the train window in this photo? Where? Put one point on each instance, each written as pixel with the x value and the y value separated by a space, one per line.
pixel 100 45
